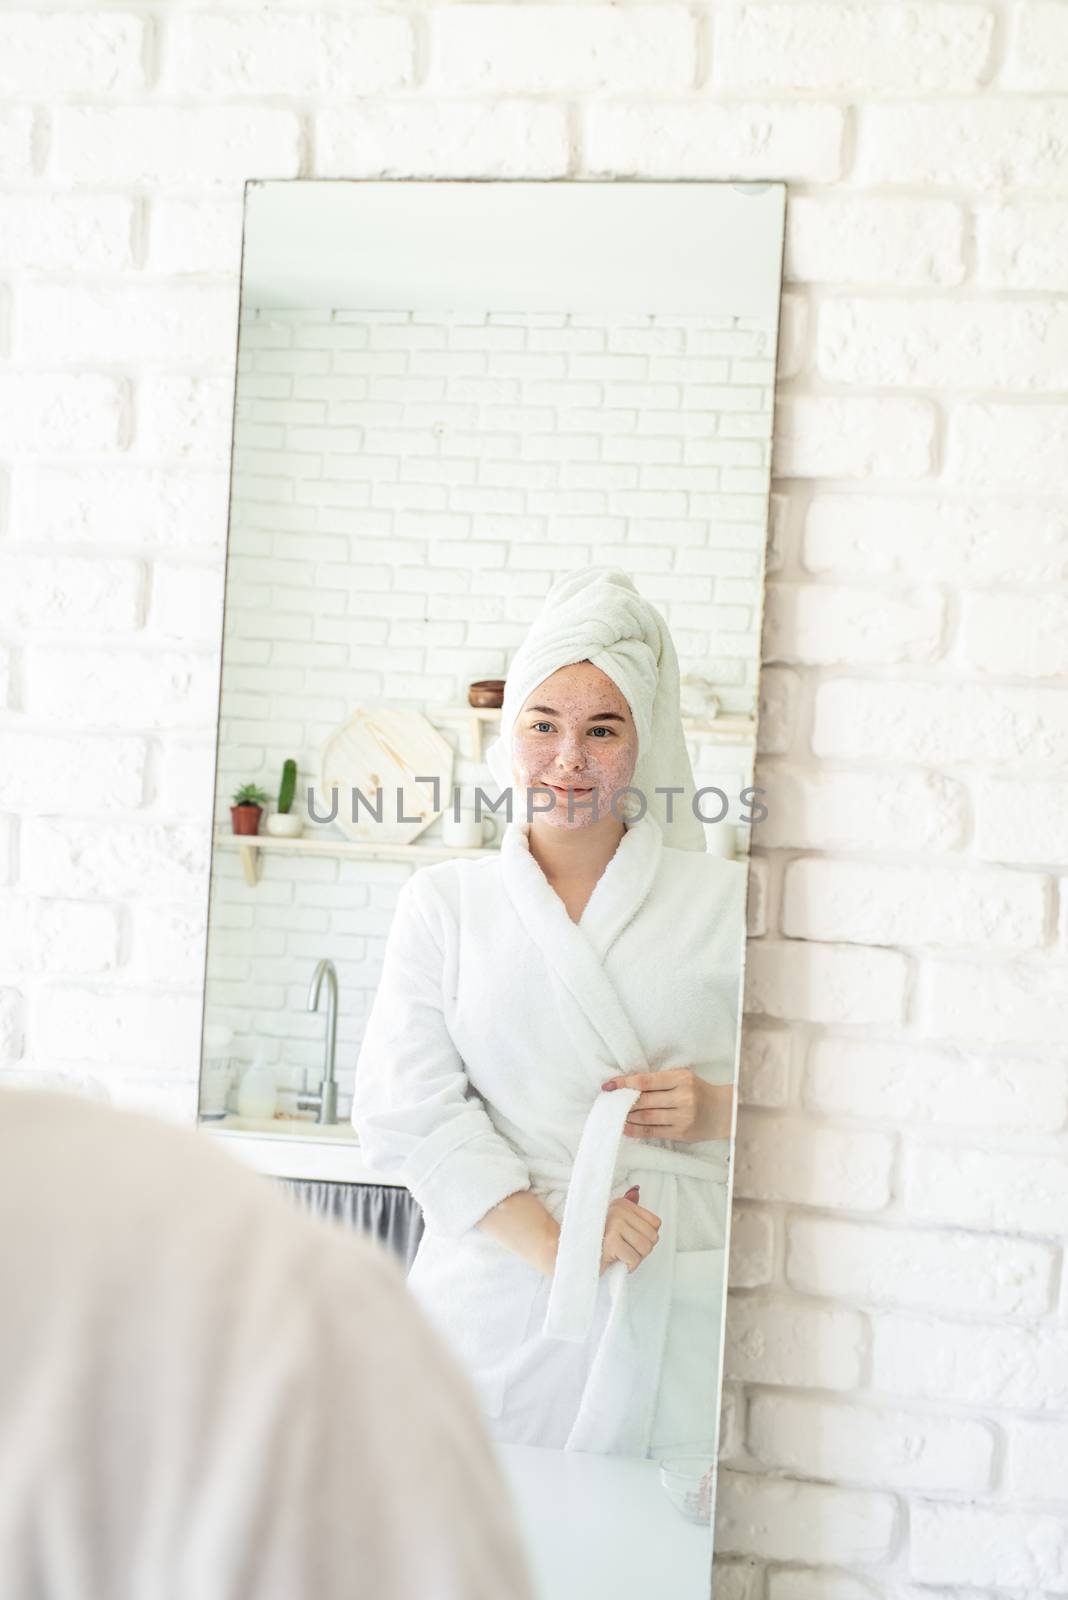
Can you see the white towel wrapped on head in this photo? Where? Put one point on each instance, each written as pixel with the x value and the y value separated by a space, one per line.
pixel 596 614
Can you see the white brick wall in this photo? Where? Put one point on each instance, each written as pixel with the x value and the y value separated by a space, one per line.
pixel 898 1333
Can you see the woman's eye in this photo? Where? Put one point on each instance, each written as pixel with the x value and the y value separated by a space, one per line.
pixel 538 725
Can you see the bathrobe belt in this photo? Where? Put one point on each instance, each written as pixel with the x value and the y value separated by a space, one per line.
pixel 599 1162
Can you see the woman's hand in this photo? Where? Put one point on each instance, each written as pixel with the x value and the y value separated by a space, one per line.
pixel 676 1104
pixel 630 1232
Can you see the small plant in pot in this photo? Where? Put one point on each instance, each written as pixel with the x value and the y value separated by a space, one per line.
pixel 283 824
pixel 247 808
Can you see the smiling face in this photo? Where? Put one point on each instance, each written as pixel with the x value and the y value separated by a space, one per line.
pixel 575 732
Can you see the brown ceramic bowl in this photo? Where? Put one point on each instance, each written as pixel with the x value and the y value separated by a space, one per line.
pixel 487 693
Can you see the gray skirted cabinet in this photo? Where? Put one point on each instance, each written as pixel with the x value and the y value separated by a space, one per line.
pixel 389 1214
pixel 324 1171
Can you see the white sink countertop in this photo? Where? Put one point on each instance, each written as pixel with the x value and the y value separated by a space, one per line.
pixel 290 1147
pixel 282 1125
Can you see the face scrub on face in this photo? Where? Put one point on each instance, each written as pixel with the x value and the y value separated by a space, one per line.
pixel 575 732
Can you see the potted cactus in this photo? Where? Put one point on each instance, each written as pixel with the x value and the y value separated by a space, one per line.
pixel 247 808
pixel 284 825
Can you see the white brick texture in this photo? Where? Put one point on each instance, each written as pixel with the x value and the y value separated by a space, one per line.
pixel 897 1331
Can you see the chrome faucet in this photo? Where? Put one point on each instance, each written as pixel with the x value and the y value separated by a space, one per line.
pixel 325 1099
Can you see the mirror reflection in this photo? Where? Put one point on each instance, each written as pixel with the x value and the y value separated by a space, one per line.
pixel 484 794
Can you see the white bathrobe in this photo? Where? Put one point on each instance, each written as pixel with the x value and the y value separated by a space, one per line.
pixel 496 1021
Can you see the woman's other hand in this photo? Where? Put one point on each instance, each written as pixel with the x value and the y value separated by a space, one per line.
pixel 630 1232
pixel 676 1104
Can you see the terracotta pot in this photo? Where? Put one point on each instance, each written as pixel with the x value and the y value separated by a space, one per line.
pixel 246 819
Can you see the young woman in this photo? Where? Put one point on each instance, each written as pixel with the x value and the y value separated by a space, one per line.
pixel 549 1059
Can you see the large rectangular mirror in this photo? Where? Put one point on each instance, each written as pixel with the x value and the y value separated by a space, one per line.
pixel 484 791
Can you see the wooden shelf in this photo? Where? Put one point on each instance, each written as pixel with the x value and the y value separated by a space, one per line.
pixel 473 718
pixel 251 847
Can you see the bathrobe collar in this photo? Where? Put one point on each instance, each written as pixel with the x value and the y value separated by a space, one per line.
pixel 617 897
pixel 575 952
